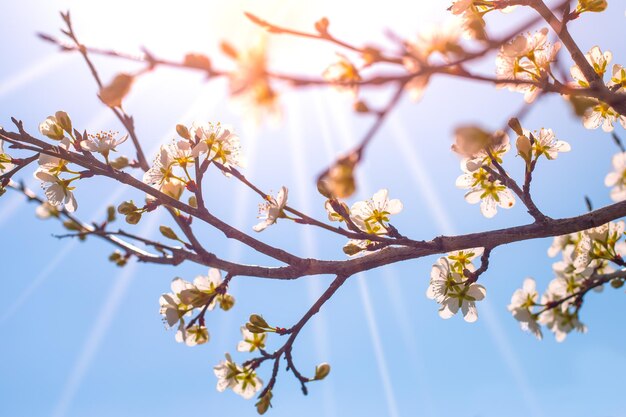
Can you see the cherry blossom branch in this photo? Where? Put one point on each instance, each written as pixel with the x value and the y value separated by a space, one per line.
pixel 298 267
pixel 293 334
pixel 178 255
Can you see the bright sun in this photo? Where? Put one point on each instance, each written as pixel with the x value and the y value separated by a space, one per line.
pixel 171 29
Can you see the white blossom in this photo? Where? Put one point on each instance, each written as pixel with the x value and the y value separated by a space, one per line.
pixel 482 189
pixel 57 191
pixel 449 289
pixel 372 216
pixel 602 114
pixel 344 75
pixel 251 341
pixel 195 335
pixel 272 210
pixel 522 301
pixel 218 142
pixel 171 306
pixel 598 60
pixel 103 143
pixel 546 144
pixel 242 380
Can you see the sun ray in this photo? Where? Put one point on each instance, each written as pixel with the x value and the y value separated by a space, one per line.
pixel 422 180
pixel 38 281
pixel 101 325
pixel 24 77
pixel 383 370
pixel 11 204
pixel 409 338
pixel 309 244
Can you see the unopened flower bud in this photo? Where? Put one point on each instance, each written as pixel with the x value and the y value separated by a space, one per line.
pixel 51 128
pixel 183 132
pixel 110 214
pixel 321 371
pixel 254 329
pixel 470 140
pixel 64 121
pixel 126 207
pixel 199 61
pixel 524 148
pixel 168 232
pixel 133 218
pixel 258 321
pixel 617 283
pixel 322 25
pixel 264 403
pixel 515 125
pixel 591 6
pixel 120 162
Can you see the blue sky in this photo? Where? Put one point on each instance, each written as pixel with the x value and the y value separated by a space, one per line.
pixel 82 337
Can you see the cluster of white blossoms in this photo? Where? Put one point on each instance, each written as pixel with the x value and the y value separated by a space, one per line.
pixel 585 255
pixel 526 59
pixel 600 113
pixel 483 156
pixel 170 171
pixel 58 188
pixel 370 216
pixel 451 287
pixel 187 297
pixel 479 147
